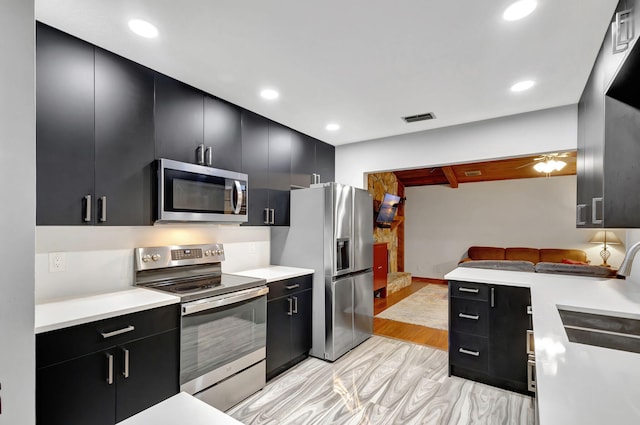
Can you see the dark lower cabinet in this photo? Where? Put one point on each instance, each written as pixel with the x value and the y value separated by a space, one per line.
pixel 488 334
pixel 84 378
pixel 288 323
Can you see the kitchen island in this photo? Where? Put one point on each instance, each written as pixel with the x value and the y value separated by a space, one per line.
pixel 576 383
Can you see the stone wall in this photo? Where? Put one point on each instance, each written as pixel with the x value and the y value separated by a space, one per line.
pixel 378 184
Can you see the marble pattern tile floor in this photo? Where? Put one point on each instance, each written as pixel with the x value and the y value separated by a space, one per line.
pixel 382 381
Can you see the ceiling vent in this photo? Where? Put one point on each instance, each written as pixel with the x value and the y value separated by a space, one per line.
pixel 474 173
pixel 419 117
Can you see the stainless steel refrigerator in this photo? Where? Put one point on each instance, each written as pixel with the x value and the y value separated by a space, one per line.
pixel 331 232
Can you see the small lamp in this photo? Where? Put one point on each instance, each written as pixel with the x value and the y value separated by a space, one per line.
pixel 605 237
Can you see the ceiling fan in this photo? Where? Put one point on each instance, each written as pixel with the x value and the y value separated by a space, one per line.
pixel 548 162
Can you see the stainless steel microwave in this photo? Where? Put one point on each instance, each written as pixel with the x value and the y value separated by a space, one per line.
pixel 190 192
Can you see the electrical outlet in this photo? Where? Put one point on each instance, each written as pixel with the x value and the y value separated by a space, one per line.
pixel 57 262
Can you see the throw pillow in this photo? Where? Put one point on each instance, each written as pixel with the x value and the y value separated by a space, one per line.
pixel 568 261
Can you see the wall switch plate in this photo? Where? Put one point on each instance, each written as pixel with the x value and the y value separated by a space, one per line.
pixel 57 262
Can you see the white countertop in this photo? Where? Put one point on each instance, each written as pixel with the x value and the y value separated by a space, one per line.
pixel 182 409
pixel 275 273
pixel 76 311
pixel 576 383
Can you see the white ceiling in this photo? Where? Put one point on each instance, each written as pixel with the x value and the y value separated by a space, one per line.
pixel 360 63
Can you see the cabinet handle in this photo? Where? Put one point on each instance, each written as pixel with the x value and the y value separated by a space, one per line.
pixel 109 369
pixel 313 178
pixel 273 216
pixel 529 310
pixel 530 342
pixel 208 156
pixel 200 154
pixel 106 335
pixel 469 352
pixel 290 312
pixel 87 211
pixel 493 297
pixel 297 285
pixel 266 216
pixel 531 374
pixel 125 372
pixel 103 209
pixel 318 178
pixel 622 31
pixel 471 290
pixel 579 220
pixel 468 316
pixel 594 212
pixel 295 305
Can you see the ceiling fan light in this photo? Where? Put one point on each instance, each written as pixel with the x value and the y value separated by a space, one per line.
pixel 559 165
pixel 540 167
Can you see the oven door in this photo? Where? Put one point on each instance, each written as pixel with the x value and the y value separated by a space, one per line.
pixel 189 192
pixel 221 336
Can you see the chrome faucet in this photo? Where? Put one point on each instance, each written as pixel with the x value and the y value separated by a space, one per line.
pixel 625 267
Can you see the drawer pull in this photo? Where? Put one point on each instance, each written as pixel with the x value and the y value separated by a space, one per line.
pixel 297 285
pixel 469 352
pixel 106 335
pixel 468 316
pixel 471 290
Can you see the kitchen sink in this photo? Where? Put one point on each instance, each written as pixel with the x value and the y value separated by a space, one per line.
pixel 618 331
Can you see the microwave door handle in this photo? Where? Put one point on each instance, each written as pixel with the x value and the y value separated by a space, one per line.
pixel 240 197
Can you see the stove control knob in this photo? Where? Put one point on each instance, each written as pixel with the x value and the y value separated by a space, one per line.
pixel 155 257
pixel 146 258
pixel 207 253
pixel 219 252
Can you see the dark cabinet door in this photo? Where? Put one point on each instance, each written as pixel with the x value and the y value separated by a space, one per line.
pixel 124 148
pixel 279 173
pixel 222 133
pixel 179 119
pixel 64 127
pixel 509 322
pixel 301 324
pixel 255 163
pixel 325 161
pixel 76 392
pixel 303 160
pixel 153 373
pixel 278 334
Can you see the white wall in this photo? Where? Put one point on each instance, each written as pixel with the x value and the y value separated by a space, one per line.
pixel 100 259
pixel 441 222
pixel 548 130
pixel 17 212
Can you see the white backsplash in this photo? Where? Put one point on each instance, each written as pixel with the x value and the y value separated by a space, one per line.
pixel 100 259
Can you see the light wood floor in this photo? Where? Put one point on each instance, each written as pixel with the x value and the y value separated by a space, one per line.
pixel 436 338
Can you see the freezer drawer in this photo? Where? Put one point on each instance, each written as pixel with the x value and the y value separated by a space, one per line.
pixel 339 331
pixel 363 307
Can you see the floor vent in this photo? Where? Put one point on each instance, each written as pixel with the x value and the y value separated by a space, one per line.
pixel 474 173
pixel 419 117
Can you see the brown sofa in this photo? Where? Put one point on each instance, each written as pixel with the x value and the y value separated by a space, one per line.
pixel 534 255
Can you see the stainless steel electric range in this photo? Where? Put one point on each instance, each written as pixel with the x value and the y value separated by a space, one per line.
pixel 223 324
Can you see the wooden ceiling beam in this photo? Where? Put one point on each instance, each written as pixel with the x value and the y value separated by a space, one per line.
pixel 451 176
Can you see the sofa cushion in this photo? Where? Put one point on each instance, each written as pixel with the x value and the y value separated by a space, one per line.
pixel 575 269
pixel 523 254
pixel 550 255
pixel 486 253
pixel 517 266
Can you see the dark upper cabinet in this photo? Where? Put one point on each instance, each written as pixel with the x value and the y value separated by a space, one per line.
pixel 94 134
pixel 266 159
pixel 64 127
pixel 608 129
pixel 179 119
pixel 325 161
pixel 124 150
pixel 312 161
pixel 222 133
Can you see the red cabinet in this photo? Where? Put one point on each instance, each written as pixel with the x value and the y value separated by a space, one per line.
pixel 380 268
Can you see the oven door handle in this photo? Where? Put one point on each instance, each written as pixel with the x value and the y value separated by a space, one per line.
pixel 223 300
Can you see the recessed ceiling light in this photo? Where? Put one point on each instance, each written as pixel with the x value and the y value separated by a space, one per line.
pixel 519 10
pixel 332 127
pixel 143 28
pixel 269 94
pixel 522 85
